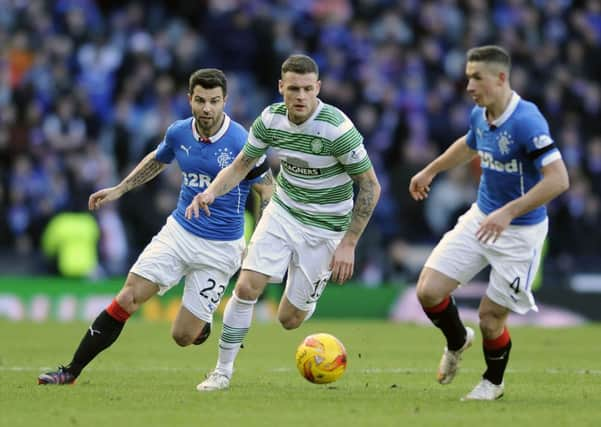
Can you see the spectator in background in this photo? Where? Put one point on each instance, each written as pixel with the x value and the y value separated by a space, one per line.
pixel 453 194
pixel 70 241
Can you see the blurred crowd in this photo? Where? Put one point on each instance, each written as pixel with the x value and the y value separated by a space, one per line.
pixel 88 87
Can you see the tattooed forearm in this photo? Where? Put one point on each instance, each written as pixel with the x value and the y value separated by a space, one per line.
pixel 224 188
pixel 267 179
pixel 264 188
pixel 248 162
pixel 147 169
pixel 367 198
pixel 144 174
pixel 264 203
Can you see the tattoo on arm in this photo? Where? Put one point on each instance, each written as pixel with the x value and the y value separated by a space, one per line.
pixel 224 189
pixel 147 169
pixel 248 162
pixel 231 176
pixel 367 197
pixel 267 179
pixel 266 183
pixel 264 203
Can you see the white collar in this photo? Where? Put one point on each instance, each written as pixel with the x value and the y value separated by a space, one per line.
pixel 213 138
pixel 513 104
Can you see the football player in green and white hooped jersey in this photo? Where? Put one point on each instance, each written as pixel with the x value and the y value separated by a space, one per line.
pixel 312 227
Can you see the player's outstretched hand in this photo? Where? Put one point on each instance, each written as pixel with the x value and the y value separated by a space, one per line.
pixel 419 186
pixel 200 201
pixel 99 198
pixel 343 263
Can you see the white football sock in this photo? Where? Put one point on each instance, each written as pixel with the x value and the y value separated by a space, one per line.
pixel 236 321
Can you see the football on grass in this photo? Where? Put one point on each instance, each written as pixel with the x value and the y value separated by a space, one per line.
pixel 321 358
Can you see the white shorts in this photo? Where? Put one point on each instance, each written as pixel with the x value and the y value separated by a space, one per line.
pixel 207 264
pixel 514 259
pixel 282 243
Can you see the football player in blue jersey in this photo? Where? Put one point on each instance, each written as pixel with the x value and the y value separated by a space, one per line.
pixel 522 170
pixel 207 250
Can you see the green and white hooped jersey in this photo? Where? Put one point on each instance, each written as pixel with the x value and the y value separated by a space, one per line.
pixel 317 158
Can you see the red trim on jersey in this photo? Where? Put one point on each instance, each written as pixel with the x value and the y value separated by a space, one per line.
pixel 439 307
pixel 117 312
pixel 498 343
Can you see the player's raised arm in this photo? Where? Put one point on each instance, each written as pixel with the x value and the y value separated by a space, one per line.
pixel 227 179
pixel 343 261
pixel 457 154
pixel 147 169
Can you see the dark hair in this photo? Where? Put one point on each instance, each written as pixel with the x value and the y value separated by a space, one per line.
pixel 208 78
pixel 300 64
pixel 490 53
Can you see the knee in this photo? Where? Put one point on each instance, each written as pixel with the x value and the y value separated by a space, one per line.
pixel 127 301
pixel 490 325
pixel 433 287
pixel 427 294
pixel 290 322
pixel 183 339
pixel 247 292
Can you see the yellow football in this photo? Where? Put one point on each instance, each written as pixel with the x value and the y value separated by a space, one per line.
pixel 321 358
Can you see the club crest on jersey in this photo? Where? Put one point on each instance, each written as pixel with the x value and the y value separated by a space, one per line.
pixel 224 157
pixel 316 146
pixel 504 142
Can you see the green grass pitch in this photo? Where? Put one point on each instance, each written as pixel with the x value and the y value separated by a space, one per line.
pixel 554 379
